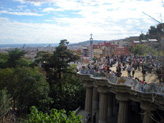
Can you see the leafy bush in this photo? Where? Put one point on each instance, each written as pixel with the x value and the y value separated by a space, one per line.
pixel 55 116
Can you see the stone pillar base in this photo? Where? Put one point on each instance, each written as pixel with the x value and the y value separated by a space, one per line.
pixel 123 107
pixel 102 121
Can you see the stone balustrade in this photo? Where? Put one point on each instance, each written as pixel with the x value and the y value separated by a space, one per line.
pixel 133 83
pixel 100 92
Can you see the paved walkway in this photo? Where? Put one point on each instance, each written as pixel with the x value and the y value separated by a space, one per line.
pixel 150 77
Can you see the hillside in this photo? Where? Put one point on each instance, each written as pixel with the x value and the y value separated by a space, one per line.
pixel 86 43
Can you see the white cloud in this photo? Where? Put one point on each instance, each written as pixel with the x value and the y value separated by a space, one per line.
pixel 21 6
pixel 107 20
pixel 20 13
pixel 50 9
pixel 76 30
pixel 34 2
pixel 120 8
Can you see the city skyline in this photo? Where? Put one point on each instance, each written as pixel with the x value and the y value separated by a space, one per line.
pixel 49 21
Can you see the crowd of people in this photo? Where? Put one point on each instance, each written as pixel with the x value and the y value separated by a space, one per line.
pixel 129 63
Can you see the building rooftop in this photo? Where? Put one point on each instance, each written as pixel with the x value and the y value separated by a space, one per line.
pixel 144 41
pixel 152 40
pixel 136 42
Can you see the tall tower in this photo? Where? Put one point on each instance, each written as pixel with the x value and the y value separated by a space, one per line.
pixel 91 48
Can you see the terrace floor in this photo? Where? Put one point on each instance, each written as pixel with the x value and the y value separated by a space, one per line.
pixel 150 77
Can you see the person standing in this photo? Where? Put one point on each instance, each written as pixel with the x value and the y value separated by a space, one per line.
pixel 133 71
pixel 143 73
pixel 129 71
pixel 94 118
pixel 159 74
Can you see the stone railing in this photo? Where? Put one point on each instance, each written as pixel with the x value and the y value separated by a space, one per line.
pixel 137 91
pixel 101 86
pixel 134 84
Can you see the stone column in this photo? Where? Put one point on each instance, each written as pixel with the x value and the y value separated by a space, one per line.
pixel 88 101
pixel 110 105
pixel 123 107
pixel 95 101
pixel 103 106
pixel 147 107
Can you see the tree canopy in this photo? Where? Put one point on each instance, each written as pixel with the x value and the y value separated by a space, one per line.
pixel 57 64
pixel 65 88
pixel 25 84
pixel 144 50
pixel 154 32
pixel 51 84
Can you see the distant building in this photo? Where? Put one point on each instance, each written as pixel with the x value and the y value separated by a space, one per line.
pixel 104 49
pixel 148 41
pixel 143 41
pixel 122 51
pixel 97 53
pixel 126 42
pixel 152 40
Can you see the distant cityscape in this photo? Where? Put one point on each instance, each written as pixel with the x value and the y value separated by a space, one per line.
pixel 101 48
pixel 27 45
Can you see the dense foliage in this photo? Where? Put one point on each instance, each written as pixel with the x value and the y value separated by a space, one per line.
pixel 4 102
pixel 25 84
pixel 49 82
pixel 55 116
pixel 65 89
pixel 144 50
pixel 153 32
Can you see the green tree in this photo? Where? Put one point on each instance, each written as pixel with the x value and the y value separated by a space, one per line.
pixel 57 64
pixel 41 57
pixel 54 117
pixel 32 89
pixel 4 103
pixel 26 86
pixel 142 49
pixel 3 60
pixel 73 94
pixel 153 32
pixel 160 28
pixel 9 82
pixel 143 36
pixel 14 56
pixel 65 89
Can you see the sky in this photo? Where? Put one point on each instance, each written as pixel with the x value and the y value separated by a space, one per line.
pixel 49 21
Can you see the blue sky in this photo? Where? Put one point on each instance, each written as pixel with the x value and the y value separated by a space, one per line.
pixel 49 21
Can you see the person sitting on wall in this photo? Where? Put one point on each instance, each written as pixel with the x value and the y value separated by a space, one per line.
pixel 83 70
pixel 91 71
